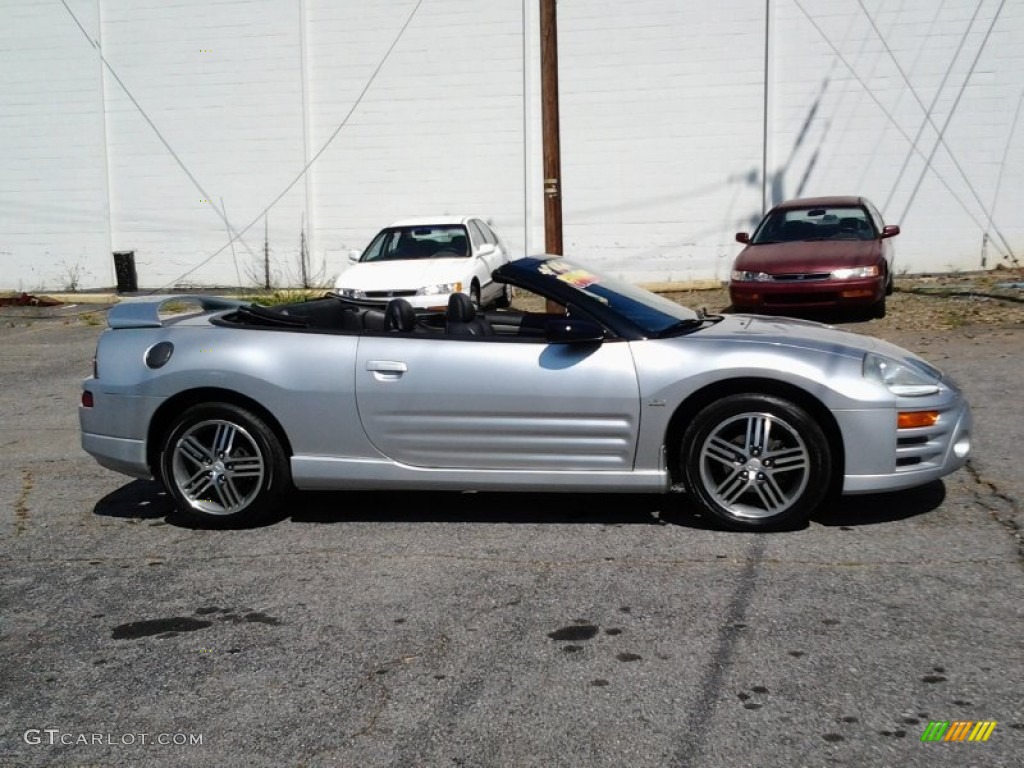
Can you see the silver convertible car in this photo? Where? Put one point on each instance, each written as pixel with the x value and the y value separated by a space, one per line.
pixel 603 387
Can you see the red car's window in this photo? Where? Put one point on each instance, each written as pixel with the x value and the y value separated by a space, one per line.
pixel 824 223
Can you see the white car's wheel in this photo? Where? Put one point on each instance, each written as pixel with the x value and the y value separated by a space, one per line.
pixel 504 299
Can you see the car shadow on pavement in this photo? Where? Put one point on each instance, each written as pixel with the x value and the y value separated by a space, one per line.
pixel 147 500
pixel 874 508
pixel 482 507
pixel 139 499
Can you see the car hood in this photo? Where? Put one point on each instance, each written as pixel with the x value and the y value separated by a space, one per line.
pixel 405 274
pixel 803 334
pixel 807 256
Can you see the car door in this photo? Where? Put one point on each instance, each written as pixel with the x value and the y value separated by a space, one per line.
pixel 888 250
pixel 488 262
pixel 481 403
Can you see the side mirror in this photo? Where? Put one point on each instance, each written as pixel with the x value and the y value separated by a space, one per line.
pixel 569 330
pixel 485 250
pixel 890 230
pixel 353 256
pixel 742 237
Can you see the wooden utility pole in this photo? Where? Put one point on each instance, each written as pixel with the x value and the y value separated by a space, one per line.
pixel 549 118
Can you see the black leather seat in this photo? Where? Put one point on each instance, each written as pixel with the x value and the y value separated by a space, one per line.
pixel 400 316
pixel 375 320
pixel 462 319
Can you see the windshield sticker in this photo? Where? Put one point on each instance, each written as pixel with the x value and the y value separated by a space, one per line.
pixel 578 278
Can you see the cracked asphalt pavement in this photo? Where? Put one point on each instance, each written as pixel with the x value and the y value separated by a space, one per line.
pixel 432 629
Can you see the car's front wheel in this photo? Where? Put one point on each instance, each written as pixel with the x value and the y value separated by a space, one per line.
pixel 877 310
pixel 755 462
pixel 223 465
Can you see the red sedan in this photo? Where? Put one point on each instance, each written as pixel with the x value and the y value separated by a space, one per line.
pixel 817 253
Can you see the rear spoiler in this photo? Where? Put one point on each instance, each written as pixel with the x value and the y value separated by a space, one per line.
pixel 145 313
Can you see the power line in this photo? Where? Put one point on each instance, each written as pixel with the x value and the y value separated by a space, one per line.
pixel 935 100
pixel 146 117
pixel 888 114
pixel 952 111
pixel 308 165
pixel 1002 167
pixel 928 110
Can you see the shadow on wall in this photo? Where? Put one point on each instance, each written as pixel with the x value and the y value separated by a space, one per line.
pixel 750 178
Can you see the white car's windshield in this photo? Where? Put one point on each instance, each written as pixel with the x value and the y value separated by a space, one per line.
pixel 448 241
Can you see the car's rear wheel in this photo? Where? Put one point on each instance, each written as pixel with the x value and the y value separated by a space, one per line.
pixel 755 462
pixel 223 465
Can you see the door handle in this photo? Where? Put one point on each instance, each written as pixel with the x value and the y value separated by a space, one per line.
pixel 384 370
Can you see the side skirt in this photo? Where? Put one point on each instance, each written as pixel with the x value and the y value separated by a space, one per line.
pixel 324 473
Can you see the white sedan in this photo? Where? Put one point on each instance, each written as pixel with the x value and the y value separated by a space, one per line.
pixel 424 261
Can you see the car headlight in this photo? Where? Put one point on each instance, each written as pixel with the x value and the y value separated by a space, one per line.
pixel 743 276
pixel 900 378
pixel 851 273
pixel 351 293
pixel 440 288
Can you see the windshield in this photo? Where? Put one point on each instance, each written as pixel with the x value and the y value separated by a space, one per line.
pixel 650 312
pixel 448 241
pixel 821 223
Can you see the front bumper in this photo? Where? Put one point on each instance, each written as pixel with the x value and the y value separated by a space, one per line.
pixel 434 301
pixel 917 456
pixel 809 294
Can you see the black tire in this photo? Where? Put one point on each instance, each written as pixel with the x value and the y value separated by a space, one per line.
pixel 244 482
pixel 504 299
pixel 746 482
pixel 474 296
pixel 878 309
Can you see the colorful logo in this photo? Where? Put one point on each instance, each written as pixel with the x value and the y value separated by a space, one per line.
pixel 958 730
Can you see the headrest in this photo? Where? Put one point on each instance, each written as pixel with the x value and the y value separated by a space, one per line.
pixel 400 315
pixel 460 308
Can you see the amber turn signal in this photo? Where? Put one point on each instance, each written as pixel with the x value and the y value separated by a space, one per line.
pixel 912 419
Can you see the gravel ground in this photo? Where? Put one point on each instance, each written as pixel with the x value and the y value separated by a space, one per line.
pixel 920 303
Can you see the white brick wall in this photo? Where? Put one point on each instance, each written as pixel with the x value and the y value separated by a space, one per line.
pixel 53 196
pixel 661 132
pixel 439 131
pixel 661 128
pixel 221 80
pixel 852 143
